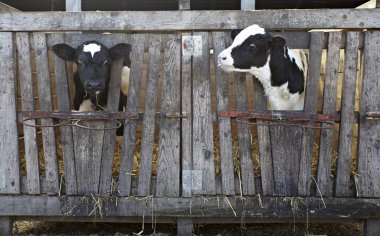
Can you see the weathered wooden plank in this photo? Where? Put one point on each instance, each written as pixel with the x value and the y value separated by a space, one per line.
pixel 286 149
pixel 329 104
pixel 9 163
pixel 27 101
pixel 73 5
pixel 109 139
pixel 88 145
pixel 6 226
pixel 244 133
pixel 247 207
pixel 66 131
pixel 225 140
pixel 168 173
pixel 342 185
pixel 311 99
pixel 45 99
pixel 132 105
pixel 186 134
pixel 203 147
pixel 113 99
pixel 369 133
pixel 265 154
pixel 184 226
pixel 184 5
pixel 372 227
pixel 145 171
pixel 190 20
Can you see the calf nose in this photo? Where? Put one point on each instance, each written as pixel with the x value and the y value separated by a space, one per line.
pixel 94 85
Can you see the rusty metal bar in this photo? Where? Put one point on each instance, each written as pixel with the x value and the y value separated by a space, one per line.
pixel 372 115
pixel 281 116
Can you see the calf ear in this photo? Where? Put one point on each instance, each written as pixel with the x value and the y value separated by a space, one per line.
pixel 119 51
pixel 234 33
pixel 277 41
pixel 64 51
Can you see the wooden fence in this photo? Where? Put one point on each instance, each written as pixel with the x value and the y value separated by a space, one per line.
pixel 194 163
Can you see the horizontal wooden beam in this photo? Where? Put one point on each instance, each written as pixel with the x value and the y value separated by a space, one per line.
pixel 220 206
pixel 190 20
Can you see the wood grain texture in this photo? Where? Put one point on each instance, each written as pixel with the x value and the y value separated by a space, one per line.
pixel 369 133
pixel 245 138
pixel 225 140
pixel 66 131
pixel 203 146
pixel 27 102
pixel 130 126
pixel 311 100
pixel 329 103
pixel 184 226
pixel 88 156
pixel 109 139
pixel 190 20
pixel 45 100
pixel 6 226
pixel 372 227
pixel 168 173
pixel 196 207
pixel 187 123
pixel 9 163
pixel 347 116
pixel 145 171
pixel 184 5
pixel 263 138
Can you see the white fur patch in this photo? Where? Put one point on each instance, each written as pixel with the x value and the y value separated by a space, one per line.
pixel 245 33
pixel 91 48
pixel 125 80
pixel 86 106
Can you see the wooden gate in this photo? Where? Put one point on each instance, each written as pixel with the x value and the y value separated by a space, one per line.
pixel 183 158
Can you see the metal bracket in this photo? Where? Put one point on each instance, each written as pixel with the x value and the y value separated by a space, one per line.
pixel 372 115
pixel 192 45
pixel 192 180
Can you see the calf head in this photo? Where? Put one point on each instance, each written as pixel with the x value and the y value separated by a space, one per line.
pixel 250 49
pixel 93 60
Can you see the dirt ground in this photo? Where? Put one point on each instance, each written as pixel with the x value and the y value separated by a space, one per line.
pixel 107 229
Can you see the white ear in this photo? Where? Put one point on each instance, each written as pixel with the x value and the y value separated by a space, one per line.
pixel 125 80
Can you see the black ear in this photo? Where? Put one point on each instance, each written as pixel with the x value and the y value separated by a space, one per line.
pixel 119 51
pixel 234 33
pixel 64 51
pixel 277 41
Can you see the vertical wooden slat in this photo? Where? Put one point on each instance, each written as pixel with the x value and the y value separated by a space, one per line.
pixel 88 155
pixel 311 100
pixel 184 226
pixel 9 162
pixel 168 175
pixel 245 152
pixel 347 116
pixel 66 131
pixel 203 147
pixel 45 98
pixel 110 135
pixel 184 5
pixel 329 104
pixel 30 134
pixel 225 141
pixel 372 227
pixel 73 5
pixel 186 134
pixel 145 172
pixel 130 126
pixel 369 129
pixel 247 4
pixel 6 226
pixel 266 163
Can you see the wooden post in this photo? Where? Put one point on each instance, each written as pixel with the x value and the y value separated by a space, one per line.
pixel 248 4
pixel 6 226
pixel 372 227
pixel 184 226
pixel 73 5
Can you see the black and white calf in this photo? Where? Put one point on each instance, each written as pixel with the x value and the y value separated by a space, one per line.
pixel 281 71
pixel 92 78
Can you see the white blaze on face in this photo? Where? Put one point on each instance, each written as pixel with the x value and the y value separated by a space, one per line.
pixel 225 60
pixel 91 48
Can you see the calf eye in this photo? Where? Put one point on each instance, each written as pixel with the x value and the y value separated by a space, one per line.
pixel 105 62
pixel 252 46
pixel 80 62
